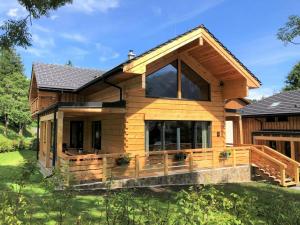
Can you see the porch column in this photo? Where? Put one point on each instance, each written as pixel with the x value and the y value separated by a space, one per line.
pixel 59 140
pixel 241 130
pixel 48 142
pixel 293 154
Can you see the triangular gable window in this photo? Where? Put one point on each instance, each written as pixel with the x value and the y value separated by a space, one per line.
pixel 193 86
pixel 163 83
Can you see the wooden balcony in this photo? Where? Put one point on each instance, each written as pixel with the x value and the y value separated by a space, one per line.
pixel 41 102
pixel 103 167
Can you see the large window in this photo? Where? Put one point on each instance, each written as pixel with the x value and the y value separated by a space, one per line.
pixel 76 134
pixel 96 135
pixel 167 81
pixel 163 83
pixel 172 135
pixel 193 86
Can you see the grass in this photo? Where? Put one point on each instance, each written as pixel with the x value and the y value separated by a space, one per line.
pixel 11 165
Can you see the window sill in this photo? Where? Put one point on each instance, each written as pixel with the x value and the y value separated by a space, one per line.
pixel 181 99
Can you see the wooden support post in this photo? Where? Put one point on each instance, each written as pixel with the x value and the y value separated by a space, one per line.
pixel 233 158
pixel 104 169
pixel 250 155
pixel 166 164
pixel 282 176
pixel 296 171
pixel 191 162
pixel 137 166
pixel 59 140
pixel 293 154
pixel 241 130
pixel 48 143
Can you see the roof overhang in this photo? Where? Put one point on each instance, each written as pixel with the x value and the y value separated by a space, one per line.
pixel 200 44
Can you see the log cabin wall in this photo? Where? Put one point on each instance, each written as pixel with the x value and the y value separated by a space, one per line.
pixel 140 108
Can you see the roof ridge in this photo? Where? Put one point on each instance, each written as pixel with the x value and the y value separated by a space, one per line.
pixel 68 66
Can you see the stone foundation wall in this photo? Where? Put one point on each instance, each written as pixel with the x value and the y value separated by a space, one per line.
pixel 237 174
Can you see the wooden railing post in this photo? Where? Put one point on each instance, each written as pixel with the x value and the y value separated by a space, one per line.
pixel 282 176
pixel 166 164
pixel 191 162
pixel 296 171
pixel 233 158
pixel 137 166
pixel 104 169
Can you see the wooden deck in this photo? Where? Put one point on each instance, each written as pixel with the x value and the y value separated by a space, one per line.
pixel 103 167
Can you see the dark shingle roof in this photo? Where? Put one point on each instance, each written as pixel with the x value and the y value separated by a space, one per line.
pixel 62 76
pixel 282 103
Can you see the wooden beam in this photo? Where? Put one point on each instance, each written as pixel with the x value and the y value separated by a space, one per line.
pixel 241 130
pixel 93 110
pixel 293 154
pixel 47 117
pixel 276 138
pixel 59 130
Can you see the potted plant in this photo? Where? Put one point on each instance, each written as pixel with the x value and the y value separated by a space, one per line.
pixel 225 154
pixel 123 160
pixel 181 156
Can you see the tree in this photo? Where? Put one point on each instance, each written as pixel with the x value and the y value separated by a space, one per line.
pixel 290 31
pixel 13 91
pixel 293 79
pixel 16 32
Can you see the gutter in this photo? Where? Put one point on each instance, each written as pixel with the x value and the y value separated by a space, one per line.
pixel 116 86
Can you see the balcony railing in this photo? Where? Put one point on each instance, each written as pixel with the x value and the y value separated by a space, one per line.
pixel 42 102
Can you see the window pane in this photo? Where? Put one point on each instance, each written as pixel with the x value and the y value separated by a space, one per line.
pixel 96 134
pixel 171 134
pixel 202 134
pixel 193 86
pixel 76 134
pixel 163 83
pixel 153 135
pixel 177 135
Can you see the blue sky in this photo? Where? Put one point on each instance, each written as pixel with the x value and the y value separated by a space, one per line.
pixel 99 33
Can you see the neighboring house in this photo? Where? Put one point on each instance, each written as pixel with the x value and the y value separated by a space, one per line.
pixel 154 114
pixel 275 121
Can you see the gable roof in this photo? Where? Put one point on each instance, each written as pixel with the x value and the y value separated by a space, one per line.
pixel 49 76
pixel 121 66
pixel 77 79
pixel 282 103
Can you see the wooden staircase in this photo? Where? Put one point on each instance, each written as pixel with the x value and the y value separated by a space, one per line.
pixel 270 165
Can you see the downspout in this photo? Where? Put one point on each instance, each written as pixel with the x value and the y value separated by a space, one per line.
pixel 54 138
pixel 116 86
pixel 38 137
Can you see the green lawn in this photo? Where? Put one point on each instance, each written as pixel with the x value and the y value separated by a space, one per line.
pixel 87 204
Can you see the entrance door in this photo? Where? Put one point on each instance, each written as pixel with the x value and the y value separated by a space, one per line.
pixel 76 134
pixel 229 132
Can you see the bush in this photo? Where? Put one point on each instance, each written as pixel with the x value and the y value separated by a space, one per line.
pixel 8 146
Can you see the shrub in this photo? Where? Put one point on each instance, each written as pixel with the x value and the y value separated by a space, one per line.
pixel 7 146
pixel 123 161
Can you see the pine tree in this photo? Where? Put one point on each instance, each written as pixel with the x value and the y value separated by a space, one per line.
pixel 293 79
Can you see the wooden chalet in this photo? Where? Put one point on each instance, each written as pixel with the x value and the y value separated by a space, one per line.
pixel 275 122
pixel 156 114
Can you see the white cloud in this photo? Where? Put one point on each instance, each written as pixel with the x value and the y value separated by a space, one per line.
pixel 106 53
pixel 16 12
pixel 262 92
pixel 90 6
pixel 45 43
pixel 157 10
pixel 41 28
pixel 77 52
pixel 74 37
pixel 54 17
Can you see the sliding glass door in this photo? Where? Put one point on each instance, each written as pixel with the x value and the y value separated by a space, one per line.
pixel 172 135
